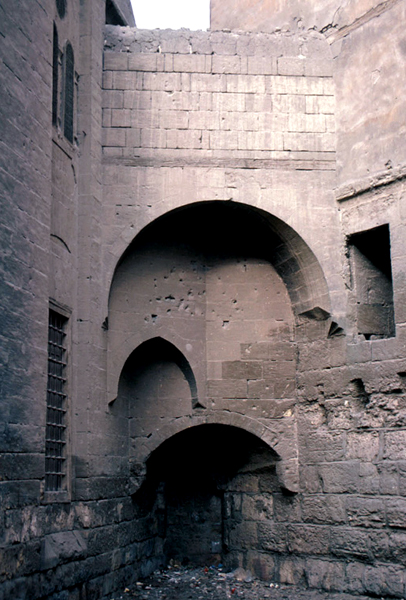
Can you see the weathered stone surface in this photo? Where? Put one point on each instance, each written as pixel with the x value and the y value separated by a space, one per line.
pixel 211 233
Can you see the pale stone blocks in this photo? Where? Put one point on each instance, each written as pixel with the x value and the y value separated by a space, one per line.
pixel 226 64
pixel 146 62
pixel 113 137
pixel 137 100
pixel 145 119
pixel 192 63
pixel 121 117
pixel 133 138
pixel 208 82
pixel 228 102
pixel 188 139
pixel 291 66
pixel 126 80
pixel 153 138
pixel 246 84
pixel 320 104
pixel 261 103
pixel 115 61
pixel 113 99
pixel 223 139
pixel 173 119
pixel 262 65
pixel 161 81
pixel 203 120
pixel 318 68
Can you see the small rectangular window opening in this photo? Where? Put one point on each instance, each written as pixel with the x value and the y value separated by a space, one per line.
pixel 372 277
pixel 56 404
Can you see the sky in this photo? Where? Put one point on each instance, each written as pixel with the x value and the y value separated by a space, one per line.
pixel 171 14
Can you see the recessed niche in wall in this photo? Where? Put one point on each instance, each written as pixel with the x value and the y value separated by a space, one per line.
pixel 61 7
pixel 371 271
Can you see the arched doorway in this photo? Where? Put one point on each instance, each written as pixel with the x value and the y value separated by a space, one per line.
pixel 211 486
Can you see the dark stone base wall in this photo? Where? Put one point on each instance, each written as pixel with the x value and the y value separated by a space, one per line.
pixel 77 550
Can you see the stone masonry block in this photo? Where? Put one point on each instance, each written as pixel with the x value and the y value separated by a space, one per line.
pixel 204 120
pixel 242 370
pixel 246 84
pixel 60 547
pixel 340 477
pixel 113 137
pixel 223 139
pixel 394 445
pixel 107 80
pixel 145 119
pixel 262 103
pixel 326 575
pixel 153 138
pixel 208 82
pixel 291 66
pixel 291 570
pixel 285 388
pixel 185 139
pixel 145 62
pixel 318 67
pixel 365 512
pixel 133 137
pixel 173 119
pixel 168 82
pixel 139 100
pixel 121 117
pixel 191 63
pixel 304 539
pixel 113 99
pixel 349 543
pixel 396 512
pixel 384 581
pixel 228 102
pixel 227 389
pixel 320 445
pixel 320 105
pixel 272 537
pixel 257 507
pixel 328 509
pixel 226 64
pixel 115 61
pixel 262 65
pixel 127 80
pixel 363 445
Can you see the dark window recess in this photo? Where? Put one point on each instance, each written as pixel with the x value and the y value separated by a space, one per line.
pixel 112 15
pixel 69 93
pixel 55 77
pixel 56 404
pixel 372 277
pixel 61 8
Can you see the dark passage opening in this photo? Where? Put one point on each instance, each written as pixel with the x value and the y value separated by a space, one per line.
pixel 206 484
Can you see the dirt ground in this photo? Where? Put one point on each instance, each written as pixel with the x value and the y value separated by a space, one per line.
pixel 185 583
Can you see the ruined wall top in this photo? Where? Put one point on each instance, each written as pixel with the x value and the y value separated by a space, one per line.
pixel 184 41
pixel 270 15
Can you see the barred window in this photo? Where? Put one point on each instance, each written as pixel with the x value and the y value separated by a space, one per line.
pixel 69 93
pixel 55 77
pixel 56 404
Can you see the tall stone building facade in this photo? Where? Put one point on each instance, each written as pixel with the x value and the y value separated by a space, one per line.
pixel 203 292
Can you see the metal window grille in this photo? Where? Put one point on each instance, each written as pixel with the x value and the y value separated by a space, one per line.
pixel 69 92
pixel 56 404
pixel 55 77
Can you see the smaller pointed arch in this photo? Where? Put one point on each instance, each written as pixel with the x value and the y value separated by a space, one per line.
pixel 160 348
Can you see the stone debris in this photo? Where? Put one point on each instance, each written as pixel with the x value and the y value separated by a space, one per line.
pixel 214 583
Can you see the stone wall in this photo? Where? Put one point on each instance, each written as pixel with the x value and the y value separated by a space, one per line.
pixel 225 233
